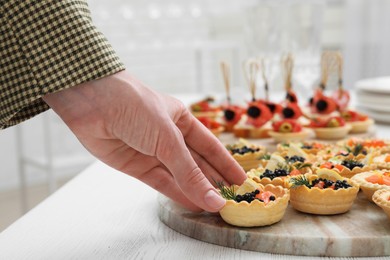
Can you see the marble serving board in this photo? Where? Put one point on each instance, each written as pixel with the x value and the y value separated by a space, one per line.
pixel 363 231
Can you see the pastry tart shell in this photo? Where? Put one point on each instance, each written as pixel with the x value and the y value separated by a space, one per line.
pixel 323 201
pixel 290 137
pixel 347 173
pixel 332 133
pixel 367 187
pixel 256 213
pixel 249 161
pixel 251 132
pixel 217 131
pixel 209 114
pixel 381 198
pixel 278 181
pixel 360 126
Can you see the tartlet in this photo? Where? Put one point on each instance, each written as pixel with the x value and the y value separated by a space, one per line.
pixel 359 123
pixel 248 155
pixel 324 201
pixel 279 169
pixel 257 213
pixel 359 127
pixel 288 130
pixel 253 123
pixel 204 108
pixel 347 165
pixel 382 199
pixel 214 127
pixel 309 147
pixel 256 175
pixel 382 161
pixel 331 128
pixel 368 187
pixel 378 145
pixel 332 133
pixel 231 116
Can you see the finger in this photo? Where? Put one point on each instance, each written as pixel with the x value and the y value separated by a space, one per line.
pixel 150 171
pixel 209 171
pixel 210 148
pixel 173 153
pixel 161 180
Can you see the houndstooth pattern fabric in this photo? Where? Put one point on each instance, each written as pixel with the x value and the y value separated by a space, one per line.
pixel 47 46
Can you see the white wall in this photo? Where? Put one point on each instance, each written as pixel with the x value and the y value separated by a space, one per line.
pixel 69 156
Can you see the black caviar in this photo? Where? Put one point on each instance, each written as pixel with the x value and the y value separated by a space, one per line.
pixel 248 197
pixel 273 174
pixel 244 150
pixel 294 159
pixel 350 164
pixel 328 183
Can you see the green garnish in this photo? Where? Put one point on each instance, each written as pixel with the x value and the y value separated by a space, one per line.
pixel 299 166
pixel 265 157
pixel 226 192
pixel 300 181
pixel 358 149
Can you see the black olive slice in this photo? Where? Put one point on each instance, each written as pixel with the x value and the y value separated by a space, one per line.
pixel 229 114
pixel 321 105
pixel 288 112
pixel 254 112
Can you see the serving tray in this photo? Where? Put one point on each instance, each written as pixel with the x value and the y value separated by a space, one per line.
pixel 363 231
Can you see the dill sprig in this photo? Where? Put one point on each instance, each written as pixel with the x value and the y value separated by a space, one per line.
pixel 357 150
pixel 300 181
pixel 299 166
pixel 226 192
pixel 265 157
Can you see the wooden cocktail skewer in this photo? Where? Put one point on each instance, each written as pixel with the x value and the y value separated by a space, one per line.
pixel 340 63
pixel 341 96
pixel 288 65
pixel 322 104
pixel 225 68
pixel 251 70
pixel 266 86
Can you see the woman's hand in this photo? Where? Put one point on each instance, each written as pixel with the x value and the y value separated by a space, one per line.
pixel 149 136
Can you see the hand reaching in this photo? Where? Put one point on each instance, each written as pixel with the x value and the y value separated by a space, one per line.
pixel 149 136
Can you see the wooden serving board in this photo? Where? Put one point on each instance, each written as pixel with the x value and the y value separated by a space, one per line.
pixel 363 231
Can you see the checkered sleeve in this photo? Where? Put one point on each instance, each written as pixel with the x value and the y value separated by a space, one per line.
pixel 47 46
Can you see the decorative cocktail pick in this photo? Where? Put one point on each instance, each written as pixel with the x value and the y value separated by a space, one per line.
pixel 258 113
pixel 322 104
pixel 225 69
pixel 341 96
pixel 291 108
pixel 273 107
pixel 251 70
pixel 263 74
pixel 231 113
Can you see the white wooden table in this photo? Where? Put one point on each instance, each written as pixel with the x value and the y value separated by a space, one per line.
pixel 104 214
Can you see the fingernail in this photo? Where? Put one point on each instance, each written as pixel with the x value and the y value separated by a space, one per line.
pixel 214 200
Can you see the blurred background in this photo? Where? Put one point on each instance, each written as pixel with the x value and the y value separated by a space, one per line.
pixel 175 47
